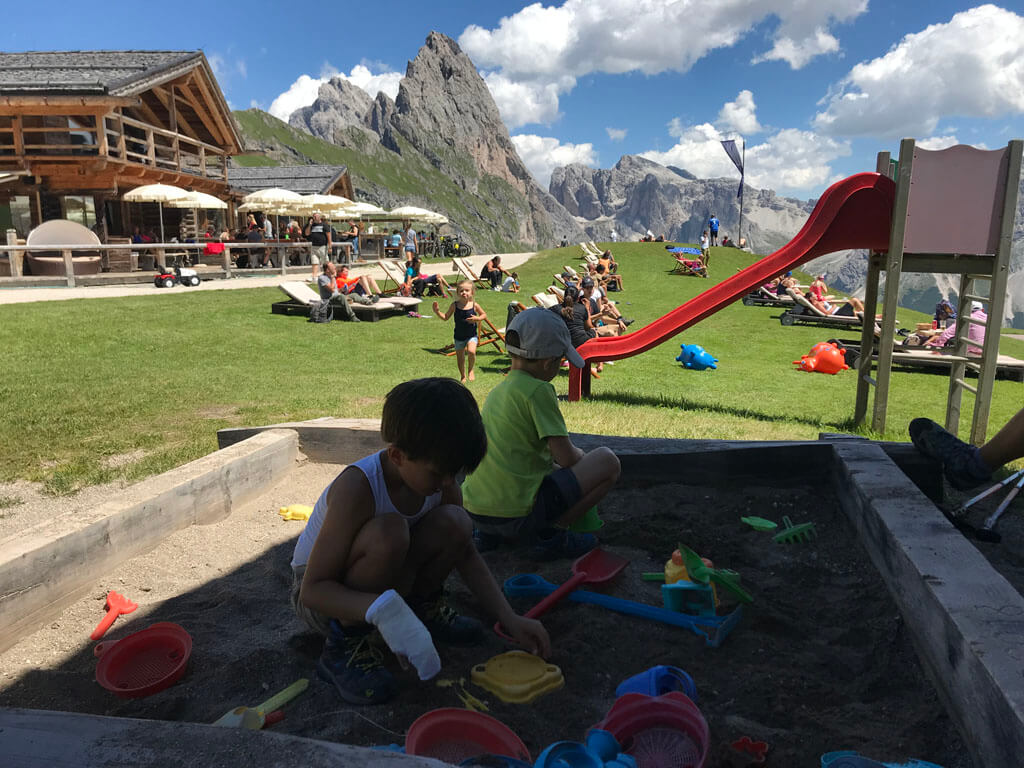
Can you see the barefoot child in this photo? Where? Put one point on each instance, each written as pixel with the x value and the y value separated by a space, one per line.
pixel 382 539
pixel 516 496
pixel 468 316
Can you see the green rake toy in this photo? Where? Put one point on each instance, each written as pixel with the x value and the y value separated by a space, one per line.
pixel 795 534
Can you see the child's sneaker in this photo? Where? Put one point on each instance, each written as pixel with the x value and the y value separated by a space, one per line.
pixel 961 462
pixel 563 544
pixel 355 668
pixel 447 626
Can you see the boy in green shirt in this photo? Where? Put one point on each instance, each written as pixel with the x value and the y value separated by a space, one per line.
pixel 516 495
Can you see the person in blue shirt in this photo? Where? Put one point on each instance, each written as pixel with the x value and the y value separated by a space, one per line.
pixel 713 229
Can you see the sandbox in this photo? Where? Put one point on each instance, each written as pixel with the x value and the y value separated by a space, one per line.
pixel 828 656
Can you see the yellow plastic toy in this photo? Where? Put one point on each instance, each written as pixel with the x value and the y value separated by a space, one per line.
pixel 295 512
pixel 518 677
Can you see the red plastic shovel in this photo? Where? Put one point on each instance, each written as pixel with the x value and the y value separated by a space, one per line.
pixel 116 605
pixel 595 567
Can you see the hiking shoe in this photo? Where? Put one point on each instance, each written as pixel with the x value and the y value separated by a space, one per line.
pixel 374 298
pixel 961 462
pixel 354 666
pixel 627 321
pixel 447 626
pixel 563 544
pixel 354 319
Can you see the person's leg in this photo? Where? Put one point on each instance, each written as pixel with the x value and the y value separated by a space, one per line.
pixel 439 542
pixel 349 660
pixel 460 358
pixel 342 301
pixel 445 286
pixel 371 285
pixel 1007 445
pixel 471 359
pixel 962 463
pixel 596 473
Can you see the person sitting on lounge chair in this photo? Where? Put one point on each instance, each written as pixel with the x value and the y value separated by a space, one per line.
pixel 417 283
pixel 362 289
pixel 327 283
pixel 611 266
pixel 853 307
pixel 608 281
pixel 493 272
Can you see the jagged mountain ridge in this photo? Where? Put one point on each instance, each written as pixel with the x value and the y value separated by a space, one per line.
pixel 445 114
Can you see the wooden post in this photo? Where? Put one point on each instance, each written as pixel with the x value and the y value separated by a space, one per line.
pixel 14 256
pixel 282 256
pixel 19 138
pixel 161 258
pixel 103 149
pixel 227 260
pixel 69 267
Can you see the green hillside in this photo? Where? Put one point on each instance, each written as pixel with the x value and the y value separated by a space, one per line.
pixel 487 210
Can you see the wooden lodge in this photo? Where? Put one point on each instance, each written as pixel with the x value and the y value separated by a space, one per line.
pixel 80 128
pixel 303 179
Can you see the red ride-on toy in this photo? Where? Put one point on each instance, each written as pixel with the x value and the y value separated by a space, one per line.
pixel 166 278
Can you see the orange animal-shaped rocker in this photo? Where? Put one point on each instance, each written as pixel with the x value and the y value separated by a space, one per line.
pixel 824 357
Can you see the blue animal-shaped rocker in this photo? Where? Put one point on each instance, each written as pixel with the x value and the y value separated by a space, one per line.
pixel 696 358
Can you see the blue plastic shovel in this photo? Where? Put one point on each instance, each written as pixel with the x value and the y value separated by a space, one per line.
pixel 714 629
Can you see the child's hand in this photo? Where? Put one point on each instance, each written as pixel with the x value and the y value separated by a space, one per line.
pixel 529 633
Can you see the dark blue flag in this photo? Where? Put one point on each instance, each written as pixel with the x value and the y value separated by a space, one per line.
pixel 734 154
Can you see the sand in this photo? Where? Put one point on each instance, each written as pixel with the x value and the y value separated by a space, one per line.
pixel 820 661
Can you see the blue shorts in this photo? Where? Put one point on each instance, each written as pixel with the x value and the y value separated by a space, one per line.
pixel 558 493
pixel 463 343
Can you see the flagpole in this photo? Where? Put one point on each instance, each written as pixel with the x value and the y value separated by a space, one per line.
pixel 739 228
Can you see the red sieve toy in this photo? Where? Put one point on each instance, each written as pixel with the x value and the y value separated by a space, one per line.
pixel 453 735
pixel 665 731
pixel 144 662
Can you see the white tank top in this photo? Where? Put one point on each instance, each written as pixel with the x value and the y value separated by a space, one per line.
pixel 369 466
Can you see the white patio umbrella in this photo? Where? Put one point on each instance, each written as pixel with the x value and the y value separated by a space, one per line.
pixel 366 210
pixel 329 205
pixel 413 213
pixel 198 200
pixel 156 193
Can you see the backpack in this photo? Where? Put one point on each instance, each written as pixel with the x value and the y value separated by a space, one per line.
pixel 321 312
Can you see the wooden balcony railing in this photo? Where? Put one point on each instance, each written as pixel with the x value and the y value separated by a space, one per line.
pixel 120 138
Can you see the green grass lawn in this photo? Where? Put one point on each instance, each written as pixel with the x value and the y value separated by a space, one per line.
pixel 99 389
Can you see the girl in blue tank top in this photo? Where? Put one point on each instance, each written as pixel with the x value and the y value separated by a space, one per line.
pixel 468 315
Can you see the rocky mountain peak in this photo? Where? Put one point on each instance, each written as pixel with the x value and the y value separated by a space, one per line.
pixel 339 104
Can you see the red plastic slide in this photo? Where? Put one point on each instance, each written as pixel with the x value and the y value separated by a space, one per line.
pixel 852 213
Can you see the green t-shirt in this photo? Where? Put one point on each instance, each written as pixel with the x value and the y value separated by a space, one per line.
pixel 519 415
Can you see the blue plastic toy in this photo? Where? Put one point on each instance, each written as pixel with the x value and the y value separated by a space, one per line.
pixel 657 681
pixel 696 358
pixel 600 751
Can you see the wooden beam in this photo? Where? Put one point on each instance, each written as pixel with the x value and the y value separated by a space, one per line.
pixel 57 105
pixel 213 115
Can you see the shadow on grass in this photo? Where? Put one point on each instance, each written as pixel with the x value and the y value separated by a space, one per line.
pixel 668 401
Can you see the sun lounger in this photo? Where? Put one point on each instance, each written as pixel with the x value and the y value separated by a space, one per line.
pixel 806 313
pixel 557 292
pixel 302 298
pixel 932 359
pixel 762 297
pixel 465 272
pixel 545 300
pixel 394 276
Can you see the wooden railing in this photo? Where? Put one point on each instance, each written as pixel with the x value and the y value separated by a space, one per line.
pixel 121 138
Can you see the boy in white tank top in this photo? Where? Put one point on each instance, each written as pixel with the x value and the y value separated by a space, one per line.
pixel 382 539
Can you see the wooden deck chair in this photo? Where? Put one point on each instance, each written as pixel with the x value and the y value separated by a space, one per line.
pixel 805 312
pixel 692 267
pixel 557 292
pixel 559 280
pixel 464 271
pixel 762 297
pixel 302 298
pixel 546 300
pixel 487 333
pixel 571 272
pixel 594 249
pixel 393 274
pixel 588 252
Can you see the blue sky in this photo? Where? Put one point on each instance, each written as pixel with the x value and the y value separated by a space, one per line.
pixel 815 87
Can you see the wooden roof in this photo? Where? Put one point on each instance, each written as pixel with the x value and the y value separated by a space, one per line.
pixel 304 179
pixel 47 77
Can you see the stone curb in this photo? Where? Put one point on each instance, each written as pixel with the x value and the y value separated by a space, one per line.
pixel 47 567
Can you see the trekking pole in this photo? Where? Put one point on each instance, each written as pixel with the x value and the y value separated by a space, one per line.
pixel 991 520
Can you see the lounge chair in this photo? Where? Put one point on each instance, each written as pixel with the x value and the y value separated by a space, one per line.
pixel 464 270
pixel 762 297
pixel 545 300
pixel 588 254
pixel 302 298
pixel 557 292
pixel 393 274
pixel 806 313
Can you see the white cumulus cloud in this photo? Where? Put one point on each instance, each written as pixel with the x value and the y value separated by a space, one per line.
pixel 616 134
pixel 543 46
pixel 740 115
pixel 790 160
pixel 937 142
pixel 521 102
pixel 972 66
pixel 304 90
pixel 542 154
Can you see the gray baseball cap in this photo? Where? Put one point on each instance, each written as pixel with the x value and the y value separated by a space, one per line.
pixel 542 334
